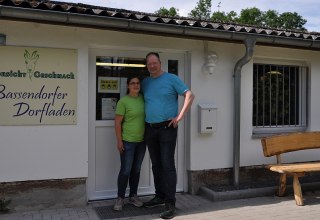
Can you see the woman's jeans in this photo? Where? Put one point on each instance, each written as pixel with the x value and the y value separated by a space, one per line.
pixel 131 160
pixel 161 144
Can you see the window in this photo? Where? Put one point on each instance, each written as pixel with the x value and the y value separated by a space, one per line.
pixel 173 66
pixel 279 98
pixel 111 82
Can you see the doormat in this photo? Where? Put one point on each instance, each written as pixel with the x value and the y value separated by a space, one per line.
pixel 107 212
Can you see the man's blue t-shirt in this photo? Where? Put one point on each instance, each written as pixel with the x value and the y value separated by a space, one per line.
pixel 161 97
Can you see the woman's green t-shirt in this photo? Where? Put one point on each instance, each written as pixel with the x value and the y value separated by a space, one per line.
pixel 132 108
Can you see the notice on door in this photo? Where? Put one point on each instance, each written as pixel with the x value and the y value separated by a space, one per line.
pixel 108 85
pixel 38 86
pixel 108 108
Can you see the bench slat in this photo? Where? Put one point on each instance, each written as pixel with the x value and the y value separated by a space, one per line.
pixel 294 168
pixel 279 144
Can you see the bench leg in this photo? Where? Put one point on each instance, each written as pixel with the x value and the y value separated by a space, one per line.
pixel 297 190
pixel 282 185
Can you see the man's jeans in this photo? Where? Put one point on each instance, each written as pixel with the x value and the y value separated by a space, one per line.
pixel 161 144
pixel 131 160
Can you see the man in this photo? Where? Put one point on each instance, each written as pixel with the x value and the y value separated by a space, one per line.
pixel 161 92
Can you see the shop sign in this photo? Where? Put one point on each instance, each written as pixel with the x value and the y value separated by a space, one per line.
pixel 38 86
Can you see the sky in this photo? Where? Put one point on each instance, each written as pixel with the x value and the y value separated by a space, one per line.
pixel 308 9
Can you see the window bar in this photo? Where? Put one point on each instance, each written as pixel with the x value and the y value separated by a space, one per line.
pixel 277 95
pixel 289 99
pixel 299 96
pixel 263 95
pixel 303 92
pixel 283 96
pixel 301 72
pixel 270 100
pixel 295 97
pixel 257 95
pixel 296 104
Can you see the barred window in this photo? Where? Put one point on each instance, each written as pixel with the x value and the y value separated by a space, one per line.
pixel 279 98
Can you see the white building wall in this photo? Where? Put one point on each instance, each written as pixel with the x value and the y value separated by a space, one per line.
pixel 210 151
pixel 54 152
pixel 47 151
pixel 216 150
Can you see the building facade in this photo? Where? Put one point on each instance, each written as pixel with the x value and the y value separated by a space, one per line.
pixel 248 82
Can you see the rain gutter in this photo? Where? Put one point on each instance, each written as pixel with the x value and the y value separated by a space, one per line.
pixel 150 27
pixel 249 44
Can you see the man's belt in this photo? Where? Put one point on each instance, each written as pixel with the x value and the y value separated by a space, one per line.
pixel 159 125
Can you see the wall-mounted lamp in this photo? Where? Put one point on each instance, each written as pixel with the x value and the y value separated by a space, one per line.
pixel 210 64
pixel 211 60
pixel 3 39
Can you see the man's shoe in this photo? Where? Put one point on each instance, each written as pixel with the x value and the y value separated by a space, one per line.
pixel 156 201
pixel 119 204
pixel 134 200
pixel 169 211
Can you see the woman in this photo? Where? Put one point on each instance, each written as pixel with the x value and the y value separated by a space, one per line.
pixel 129 128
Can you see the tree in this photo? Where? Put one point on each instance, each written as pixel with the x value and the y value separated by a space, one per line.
pixel 271 19
pixel 202 11
pixel 248 16
pixel 171 12
pixel 289 20
pixel 232 16
pixel 219 16
pixel 252 16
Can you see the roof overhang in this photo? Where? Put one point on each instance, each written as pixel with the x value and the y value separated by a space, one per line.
pixel 147 27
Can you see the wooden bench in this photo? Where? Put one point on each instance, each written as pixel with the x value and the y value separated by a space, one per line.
pixel 279 144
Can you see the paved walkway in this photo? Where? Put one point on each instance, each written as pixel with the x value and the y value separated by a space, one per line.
pixel 197 207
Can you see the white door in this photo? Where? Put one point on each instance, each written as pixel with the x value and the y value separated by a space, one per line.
pixel 107 82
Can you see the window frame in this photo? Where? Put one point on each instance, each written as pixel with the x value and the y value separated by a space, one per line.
pixel 260 131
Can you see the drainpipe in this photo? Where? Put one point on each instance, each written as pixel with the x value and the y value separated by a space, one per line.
pixel 249 43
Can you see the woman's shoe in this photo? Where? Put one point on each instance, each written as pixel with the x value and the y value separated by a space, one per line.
pixel 134 200
pixel 119 204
